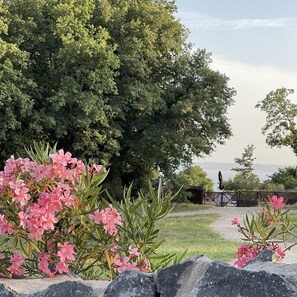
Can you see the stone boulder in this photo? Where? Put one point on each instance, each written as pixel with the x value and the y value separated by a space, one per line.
pixel 199 277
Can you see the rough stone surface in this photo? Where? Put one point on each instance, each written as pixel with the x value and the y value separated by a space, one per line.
pixel 7 292
pixel 68 288
pixel 198 277
pixel 58 286
pixel 178 280
pixel 132 284
pixel 223 280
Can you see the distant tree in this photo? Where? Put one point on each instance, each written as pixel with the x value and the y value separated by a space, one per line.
pixel 193 176
pixel 281 114
pixel 245 178
pixel 116 82
pixel 242 182
pixel 285 177
pixel 268 186
pixel 246 161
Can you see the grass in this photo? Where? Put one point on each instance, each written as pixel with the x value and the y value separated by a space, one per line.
pixel 194 233
pixel 185 207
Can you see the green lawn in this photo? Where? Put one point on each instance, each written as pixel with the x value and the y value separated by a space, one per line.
pixel 184 207
pixel 195 234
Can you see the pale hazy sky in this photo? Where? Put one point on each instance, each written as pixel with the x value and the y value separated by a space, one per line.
pixel 254 42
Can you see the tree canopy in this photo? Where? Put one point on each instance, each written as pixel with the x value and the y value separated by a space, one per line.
pixel 280 128
pixel 245 178
pixel 285 178
pixel 193 176
pixel 114 81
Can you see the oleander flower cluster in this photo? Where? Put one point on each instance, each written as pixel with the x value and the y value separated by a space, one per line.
pixel 264 230
pixel 52 220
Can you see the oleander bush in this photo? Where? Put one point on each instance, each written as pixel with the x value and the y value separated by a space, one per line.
pixel 54 220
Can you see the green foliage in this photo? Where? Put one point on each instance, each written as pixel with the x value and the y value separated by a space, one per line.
pixel 243 182
pixel 246 160
pixel 265 230
pixel 73 67
pixel 15 102
pixel 114 81
pixel 272 187
pixel 285 177
pixel 193 176
pixel 245 178
pixel 280 128
pixel 140 216
pixel 58 202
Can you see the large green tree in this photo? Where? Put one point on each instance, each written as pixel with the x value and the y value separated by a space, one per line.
pixel 281 114
pixel 116 81
pixel 15 102
pixel 73 66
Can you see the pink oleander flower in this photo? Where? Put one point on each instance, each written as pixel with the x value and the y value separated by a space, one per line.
pixel 20 192
pixel 123 265
pixel 23 219
pixel 66 252
pixel 280 252
pixel 117 260
pixel 96 168
pixel 144 265
pixel 114 248
pixel 48 220
pixel 96 217
pixel 235 221
pixel 109 217
pixel 61 158
pixel 16 263
pixel 5 226
pixel 134 252
pixel 276 203
pixel 132 266
pixel 35 232
pixel 266 215
pixel 275 247
pixel 244 254
pixel 62 267
pixel 43 264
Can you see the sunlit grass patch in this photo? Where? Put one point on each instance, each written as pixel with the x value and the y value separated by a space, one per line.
pixel 195 234
pixel 184 207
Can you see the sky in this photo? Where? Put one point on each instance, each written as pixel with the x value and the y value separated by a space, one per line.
pixel 253 42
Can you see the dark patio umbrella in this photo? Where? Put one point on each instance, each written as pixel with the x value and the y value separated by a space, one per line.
pixel 221 186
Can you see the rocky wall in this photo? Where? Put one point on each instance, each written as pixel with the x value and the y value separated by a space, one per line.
pixel 198 277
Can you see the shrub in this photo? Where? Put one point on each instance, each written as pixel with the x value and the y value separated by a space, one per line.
pixel 266 229
pixel 53 220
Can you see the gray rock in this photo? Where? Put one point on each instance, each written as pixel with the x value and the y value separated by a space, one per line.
pixel 7 292
pixel 65 289
pixel 179 280
pixel 223 280
pixel 202 277
pixel 132 284
pixel 199 277
pixel 58 286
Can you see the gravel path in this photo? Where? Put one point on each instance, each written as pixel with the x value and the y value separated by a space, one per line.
pixel 224 227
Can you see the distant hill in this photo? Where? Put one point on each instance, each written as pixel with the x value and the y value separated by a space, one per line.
pixel 212 169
